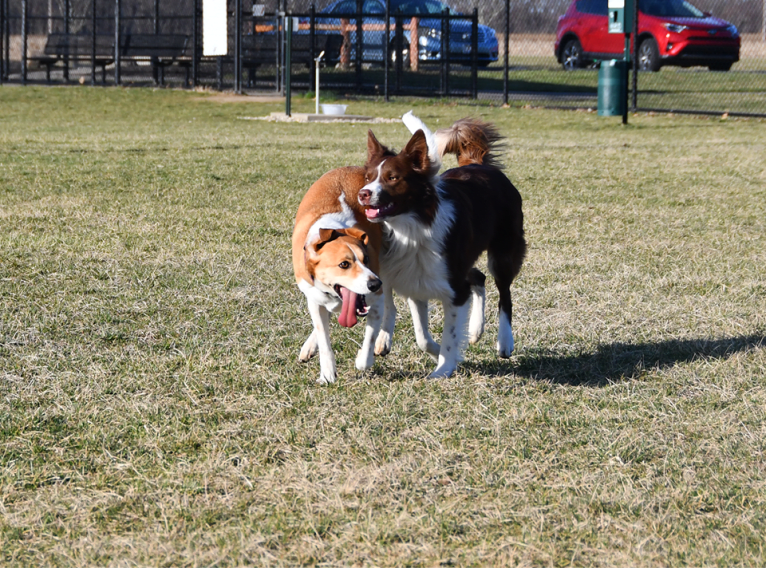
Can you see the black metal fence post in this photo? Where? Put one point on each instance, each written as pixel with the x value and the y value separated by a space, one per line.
pixel 386 51
pixel 398 48
pixel 195 45
pixel 156 17
pixel 475 54
pixel 117 10
pixel 288 64
pixel 2 41
pixel 67 14
pixel 447 55
pixel 443 48
pixel 507 42
pixel 634 56
pixel 359 39
pixel 93 45
pixel 238 47
pixel 6 40
pixel 312 45
pixel 24 30
pixel 280 31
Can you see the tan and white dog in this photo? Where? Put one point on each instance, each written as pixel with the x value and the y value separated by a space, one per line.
pixel 335 259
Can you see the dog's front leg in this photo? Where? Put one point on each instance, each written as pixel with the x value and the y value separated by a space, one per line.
pixel 366 358
pixel 386 333
pixel 453 338
pixel 309 348
pixel 419 311
pixel 320 317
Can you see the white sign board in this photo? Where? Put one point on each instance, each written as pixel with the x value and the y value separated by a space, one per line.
pixel 616 4
pixel 214 28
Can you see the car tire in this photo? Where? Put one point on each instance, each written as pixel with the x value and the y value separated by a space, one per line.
pixel 405 55
pixel 571 55
pixel 649 56
pixel 720 66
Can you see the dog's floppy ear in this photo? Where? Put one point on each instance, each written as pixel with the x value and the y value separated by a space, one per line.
pixel 417 151
pixel 374 148
pixel 325 236
pixel 358 234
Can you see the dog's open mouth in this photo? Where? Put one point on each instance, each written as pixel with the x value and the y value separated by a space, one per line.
pixel 380 212
pixel 354 306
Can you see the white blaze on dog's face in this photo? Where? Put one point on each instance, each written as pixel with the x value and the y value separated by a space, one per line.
pixel 338 263
pixel 396 183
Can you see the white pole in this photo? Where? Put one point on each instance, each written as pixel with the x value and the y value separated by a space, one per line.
pixel 317 60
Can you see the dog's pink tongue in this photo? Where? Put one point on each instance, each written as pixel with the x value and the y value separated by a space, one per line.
pixel 372 213
pixel 347 317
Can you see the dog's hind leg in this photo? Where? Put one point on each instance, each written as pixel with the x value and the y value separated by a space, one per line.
pixel 320 317
pixel 478 300
pixel 309 348
pixel 384 340
pixel 366 358
pixel 504 268
pixel 419 311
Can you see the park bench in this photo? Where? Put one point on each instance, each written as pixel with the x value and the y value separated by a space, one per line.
pixel 77 48
pixel 160 50
pixel 261 49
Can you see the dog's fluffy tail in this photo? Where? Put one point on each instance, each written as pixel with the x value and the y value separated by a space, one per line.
pixel 413 124
pixel 473 142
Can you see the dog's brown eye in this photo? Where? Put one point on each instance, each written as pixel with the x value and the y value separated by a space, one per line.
pixel 393 178
pixel 345 265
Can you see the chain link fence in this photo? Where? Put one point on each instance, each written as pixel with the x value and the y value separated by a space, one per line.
pixel 383 47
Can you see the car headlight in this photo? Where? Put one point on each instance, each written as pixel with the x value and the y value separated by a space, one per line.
pixel 675 28
pixel 430 34
pixel 732 29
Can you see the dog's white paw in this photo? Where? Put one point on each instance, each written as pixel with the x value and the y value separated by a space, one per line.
pixel 326 378
pixel 475 334
pixel 364 360
pixel 443 371
pixel 309 348
pixel 504 337
pixel 383 344
pixel 504 352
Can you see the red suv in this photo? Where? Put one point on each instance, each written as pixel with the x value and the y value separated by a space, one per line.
pixel 670 32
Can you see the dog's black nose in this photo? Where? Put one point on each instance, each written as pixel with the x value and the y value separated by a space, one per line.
pixel 364 196
pixel 374 285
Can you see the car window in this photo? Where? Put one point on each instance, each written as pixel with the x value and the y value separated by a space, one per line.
pixel 346 7
pixel 592 7
pixel 373 7
pixel 670 9
pixel 583 6
pixel 418 6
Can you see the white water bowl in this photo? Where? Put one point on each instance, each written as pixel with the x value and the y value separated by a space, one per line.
pixel 334 109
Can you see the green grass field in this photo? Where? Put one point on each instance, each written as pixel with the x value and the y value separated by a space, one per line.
pixel 153 411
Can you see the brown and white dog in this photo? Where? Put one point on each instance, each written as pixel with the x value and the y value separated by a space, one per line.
pixel 436 226
pixel 335 259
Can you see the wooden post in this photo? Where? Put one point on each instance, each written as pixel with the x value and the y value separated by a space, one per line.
pixel 414 43
pixel 345 48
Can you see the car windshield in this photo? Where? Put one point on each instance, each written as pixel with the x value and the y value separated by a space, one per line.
pixel 417 6
pixel 669 9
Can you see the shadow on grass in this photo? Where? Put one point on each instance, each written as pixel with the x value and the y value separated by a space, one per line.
pixel 617 362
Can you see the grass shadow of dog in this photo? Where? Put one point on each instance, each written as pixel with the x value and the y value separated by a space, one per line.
pixel 616 362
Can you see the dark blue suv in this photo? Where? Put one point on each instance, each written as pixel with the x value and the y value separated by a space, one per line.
pixel 429 39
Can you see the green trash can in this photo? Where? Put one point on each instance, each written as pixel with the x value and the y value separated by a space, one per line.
pixel 612 87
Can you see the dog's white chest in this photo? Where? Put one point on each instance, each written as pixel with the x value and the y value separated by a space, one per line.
pixel 414 263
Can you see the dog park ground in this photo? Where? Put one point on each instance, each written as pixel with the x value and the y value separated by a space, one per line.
pixel 153 411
